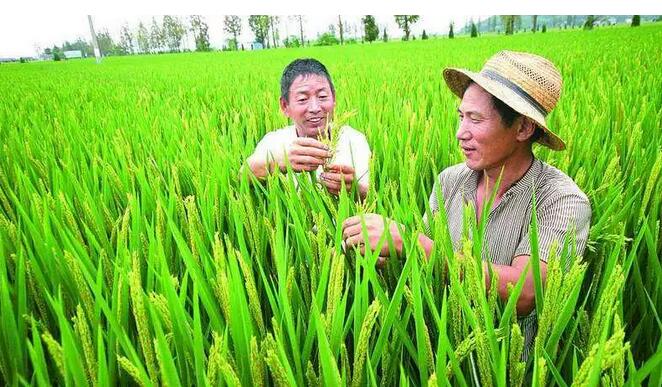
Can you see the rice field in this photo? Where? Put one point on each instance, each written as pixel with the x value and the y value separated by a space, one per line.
pixel 134 252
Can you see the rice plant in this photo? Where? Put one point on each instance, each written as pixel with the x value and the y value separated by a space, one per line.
pixel 134 252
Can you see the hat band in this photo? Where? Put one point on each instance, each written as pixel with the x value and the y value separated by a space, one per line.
pixel 514 88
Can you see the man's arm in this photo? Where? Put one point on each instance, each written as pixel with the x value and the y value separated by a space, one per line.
pixel 510 274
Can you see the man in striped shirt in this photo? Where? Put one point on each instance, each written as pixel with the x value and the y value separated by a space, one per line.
pixel 502 114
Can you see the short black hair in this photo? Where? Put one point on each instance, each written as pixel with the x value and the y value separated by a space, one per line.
pixel 302 66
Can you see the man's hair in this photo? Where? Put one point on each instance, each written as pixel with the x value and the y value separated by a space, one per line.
pixel 306 66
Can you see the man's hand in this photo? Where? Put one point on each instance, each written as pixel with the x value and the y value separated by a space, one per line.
pixel 306 154
pixel 376 226
pixel 334 175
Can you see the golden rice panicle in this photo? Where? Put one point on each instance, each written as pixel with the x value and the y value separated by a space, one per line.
pixel 335 286
pixel 140 315
pixel 552 302
pixel 462 351
pixel 606 305
pixel 55 349
pixel 542 372
pixel 483 355
pixel 364 337
pixel 253 298
pixel 159 302
pixel 273 362
pixel 213 359
pixel 37 296
pixel 83 331
pixel 515 366
pixel 257 364
pixel 311 377
pixel 130 369
pixel 432 381
pixel 84 292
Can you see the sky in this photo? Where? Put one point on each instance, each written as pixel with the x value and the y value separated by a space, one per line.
pixel 29 26
pixel 25 36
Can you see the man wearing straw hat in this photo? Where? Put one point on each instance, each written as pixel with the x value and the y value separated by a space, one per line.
pixel 502 113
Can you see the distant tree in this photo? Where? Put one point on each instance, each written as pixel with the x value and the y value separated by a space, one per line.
pixel 385 36
pixel 341 30
pixel 492 23
pixel 292 41
pixel 173 32
pixel 424 36
pixel 405 22
pixel 534 22
pixel 474 30
pixel 299 20
pixel 126 40
pixel 232 25
pixel 200 31
pixel 508 24
pixel 636 20
pixel 142 38
pixel 58 55
pixel 106 44
pixel 327 39
pixel 451 34
pixel 156 37
pixel 590 22
pixel 544 28
pixel 371 32
pixel 259 24
pixel 273 26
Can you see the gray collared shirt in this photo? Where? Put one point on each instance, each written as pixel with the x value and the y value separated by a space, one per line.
pixel 560 205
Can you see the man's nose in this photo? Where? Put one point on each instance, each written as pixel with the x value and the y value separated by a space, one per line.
pixel 462 131
pixel 314 105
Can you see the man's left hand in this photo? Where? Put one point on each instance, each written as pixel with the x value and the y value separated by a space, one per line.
pixel 334 175
pixel 376 225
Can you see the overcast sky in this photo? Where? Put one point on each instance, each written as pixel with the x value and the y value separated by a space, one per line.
pixel 23 36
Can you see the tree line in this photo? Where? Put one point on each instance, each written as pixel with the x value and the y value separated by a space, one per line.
pixel 170 33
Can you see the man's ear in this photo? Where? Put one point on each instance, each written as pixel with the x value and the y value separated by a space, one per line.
pixel 284 106
pixel 525 128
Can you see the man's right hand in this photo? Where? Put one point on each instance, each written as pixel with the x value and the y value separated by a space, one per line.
pixel 306 154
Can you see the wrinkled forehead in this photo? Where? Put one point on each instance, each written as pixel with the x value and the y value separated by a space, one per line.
pixel 476 98
pixel 309 82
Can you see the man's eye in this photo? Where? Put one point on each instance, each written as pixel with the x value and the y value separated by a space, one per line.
pixel 301 100
pixel 322 96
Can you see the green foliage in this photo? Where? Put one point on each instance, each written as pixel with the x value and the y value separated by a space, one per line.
pixel 636 21
pixel 327 39
pixel 135 251
pixel 370 28
pixel 474 30
pixel 292 41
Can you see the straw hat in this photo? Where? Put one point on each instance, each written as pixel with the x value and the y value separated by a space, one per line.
pixel 530 84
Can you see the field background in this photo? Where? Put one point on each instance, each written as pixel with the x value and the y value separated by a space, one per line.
pixel 130 248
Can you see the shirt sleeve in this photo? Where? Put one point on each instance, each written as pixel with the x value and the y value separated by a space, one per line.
pixel 268 146
pixel 557 217
pixel 360 154
pixel 433 201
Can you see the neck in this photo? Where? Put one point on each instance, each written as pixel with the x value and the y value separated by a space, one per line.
pixel 513 169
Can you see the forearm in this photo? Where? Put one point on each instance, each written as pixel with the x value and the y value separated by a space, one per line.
pixel 260 167
pixel 507 274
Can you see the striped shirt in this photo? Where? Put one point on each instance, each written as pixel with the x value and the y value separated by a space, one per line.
pixel 560 206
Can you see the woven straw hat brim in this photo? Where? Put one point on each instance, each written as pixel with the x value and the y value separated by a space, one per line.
pixel 459 79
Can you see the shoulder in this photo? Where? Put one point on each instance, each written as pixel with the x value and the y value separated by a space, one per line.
pixel 554 186
pixel 353 136
pixel 454 175
pixel 287 132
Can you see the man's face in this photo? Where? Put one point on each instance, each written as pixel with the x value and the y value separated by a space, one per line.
pixel 485 141
pixel 310 102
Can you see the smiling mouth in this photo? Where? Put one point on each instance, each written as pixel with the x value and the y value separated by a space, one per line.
pixel 315 120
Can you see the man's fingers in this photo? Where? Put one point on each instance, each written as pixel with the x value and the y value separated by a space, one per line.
pixel 310 142
pixel 352 220
pixel 338 177
pixel 352 230
pixel 340 168
pixel 306 160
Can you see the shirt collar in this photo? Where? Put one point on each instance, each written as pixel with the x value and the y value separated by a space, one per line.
pixel 522 185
